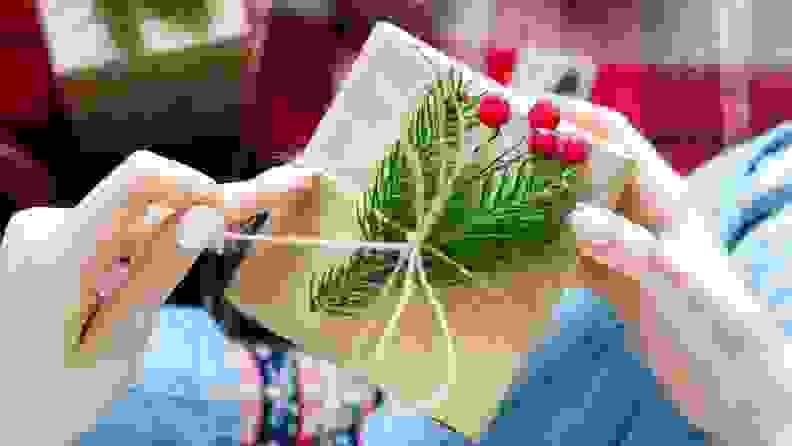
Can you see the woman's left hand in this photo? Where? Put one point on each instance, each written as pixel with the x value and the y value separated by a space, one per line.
pixel 699 327
pixel 652 195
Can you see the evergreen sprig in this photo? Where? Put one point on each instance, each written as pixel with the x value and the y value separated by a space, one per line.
pixel 345 288
pixel 497 211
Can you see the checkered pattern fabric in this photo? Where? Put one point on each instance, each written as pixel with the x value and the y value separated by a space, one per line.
pixel 308 402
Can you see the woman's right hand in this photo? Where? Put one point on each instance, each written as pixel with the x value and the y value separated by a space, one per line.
pixel 138 259
pixel 53 265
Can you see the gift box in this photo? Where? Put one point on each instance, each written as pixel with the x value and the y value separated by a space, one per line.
pixel 182 84
pixel 355 144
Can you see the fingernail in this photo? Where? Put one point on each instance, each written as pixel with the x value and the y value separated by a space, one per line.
pixel 617 256
pixel 247 200
pixel 601 247
pixel 183 216
pixel 298 183
pixel 117 277
pixel 153 296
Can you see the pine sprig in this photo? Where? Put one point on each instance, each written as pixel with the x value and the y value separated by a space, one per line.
pixel 491 217
pixel 345 288
pixel 454 218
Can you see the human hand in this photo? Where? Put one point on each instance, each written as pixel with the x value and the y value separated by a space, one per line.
pixel 652 194
pixel 284 191
pixel 142 213
pixel 700 329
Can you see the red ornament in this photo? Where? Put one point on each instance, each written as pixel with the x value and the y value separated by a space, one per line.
pixel 544 115
pixel 574 150
pixel 494 111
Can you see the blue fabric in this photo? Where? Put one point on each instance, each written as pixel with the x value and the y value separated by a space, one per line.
pixel 158 418
pixel 737 219
pixel 172 406
pixel 383 430
pixel 584 388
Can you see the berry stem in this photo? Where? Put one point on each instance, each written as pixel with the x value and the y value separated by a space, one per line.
pixel 488 155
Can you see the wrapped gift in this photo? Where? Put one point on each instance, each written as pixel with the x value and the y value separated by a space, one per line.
pixel 436 193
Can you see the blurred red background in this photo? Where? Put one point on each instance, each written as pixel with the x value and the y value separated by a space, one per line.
pixel 684 109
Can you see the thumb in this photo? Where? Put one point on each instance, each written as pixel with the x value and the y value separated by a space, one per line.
pixel 612 240
pixel 275 190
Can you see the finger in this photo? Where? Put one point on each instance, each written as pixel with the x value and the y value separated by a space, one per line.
pixel 169 192
pixel 584 116
pixel 145 228
pixel 612 240
pixel 641 206
pixel 614 257
pixel 621 290
pixel 127 235
pixel 626 248
pixel 145 178
pixel 603 125
pixel 97 300
pixel 146 282
pixel 123 247
pixel 112 243
pixel 642 196
pixel 608 162
pixel 277 190
pixel 150 200
pixel 160 265
pixel 653 192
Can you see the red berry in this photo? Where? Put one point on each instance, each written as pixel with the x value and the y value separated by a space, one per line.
pixel 574 150
pixel 500 63
pixel 544 115
pixel 494 111
pixel 547 144
pixel 532 143
pixel 563 142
